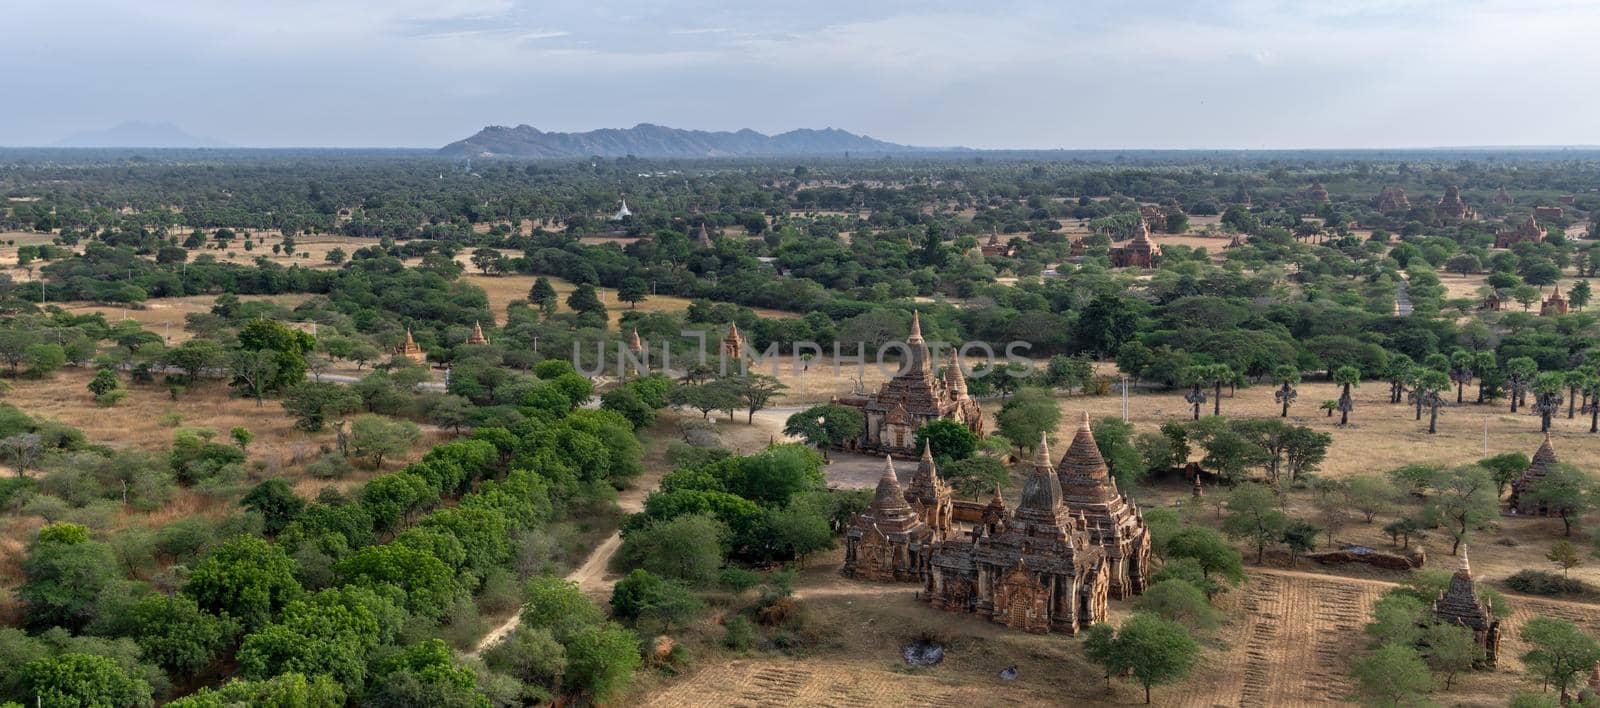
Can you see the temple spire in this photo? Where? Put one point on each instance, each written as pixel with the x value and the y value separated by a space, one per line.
pixel 1466 568
pixel 916 327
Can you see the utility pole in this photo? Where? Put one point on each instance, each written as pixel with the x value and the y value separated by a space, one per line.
pixel 1124 399
pixel 1486 436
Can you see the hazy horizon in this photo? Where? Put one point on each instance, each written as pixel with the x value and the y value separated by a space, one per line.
pixel 1241 74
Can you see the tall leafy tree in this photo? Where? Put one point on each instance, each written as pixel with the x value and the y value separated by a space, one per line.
pixel 1561 654
pixel 1346 377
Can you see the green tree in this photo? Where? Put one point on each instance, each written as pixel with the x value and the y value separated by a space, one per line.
pixel 1286 377
pixel 1564 491
pixel 1520 373
pixel 543 296
pixel 643 597
pixel 826 426
pixel 633 291
pixel 1209 550
pixel 687 548
pixel 1463 500
pixel 1430 388
pixel 1253 514
pixel 66 575
pixel 1181 602
pixel 1561 654
pixel 1346 377
pixel 1451 650
pixel 1369 495
pixel 1154 651
pixel 288 346
pixel 76 679
pixel 291 689
pixel 312 403
pixel 377 437
pixel 1579 294
pixel 1504 468
pixel 1028 415
pixel 104 382
pixel 1547 401
pixel 246 578
pixel 175 633
pixel 254 371
pixel 196 358
pixel 947 439
pixel 756 391
pixel 276 502
pixel 600 662
pixel 1565 555
pixel 1392 675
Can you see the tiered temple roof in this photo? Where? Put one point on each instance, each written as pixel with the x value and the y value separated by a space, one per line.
pixel 702 238
pixel 477 338
pixel 1039 571
pixel 1452 206
pixel 1113 522
pixel 1544 460
pixel 930 497
pixel 912 398
pixel 1526 232
pixel 410 350
pixel 887 541
pixel 1501 197
pixel 1391 199
pixel 1317 193
pixel 1139 252
pixel 1460 605
pixel 733 345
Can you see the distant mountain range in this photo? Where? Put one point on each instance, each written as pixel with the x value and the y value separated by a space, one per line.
pixel 138 134
pixel 646 140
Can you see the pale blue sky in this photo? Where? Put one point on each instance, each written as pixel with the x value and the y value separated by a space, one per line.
pixel 1006 73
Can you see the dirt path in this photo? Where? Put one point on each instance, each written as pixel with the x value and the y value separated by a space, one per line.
pixel 591 575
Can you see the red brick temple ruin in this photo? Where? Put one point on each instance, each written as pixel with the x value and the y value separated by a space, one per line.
pixel 1391 199
pixel 1526 232
pixel 1140 252
pixel 1115 524
pixel 409 350
pixel 912 399
pixel 1451 206
pixel 1460 605
pixel 888 541
pixel 1555 305
pixel 1544 460
pixel 1040 571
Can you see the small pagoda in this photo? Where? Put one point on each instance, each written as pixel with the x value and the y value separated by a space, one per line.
pixel 1544 460
pixel 477 338
pixel 410 350
pixel 702 238
pixel 888 541
pixel 1452 207
pixel 1140 252
pixel 1555 305
pixel 733 345
pixel 1461 606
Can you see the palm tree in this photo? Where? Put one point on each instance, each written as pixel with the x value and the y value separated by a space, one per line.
pixel 1287 377
pixel 1430 385
pixel 1519 375
pixel 1330 406
pixel 1591 401
pixel 1195 377
pixel 1547 397
pixel 1485 361
pixel 1219 374
pixel 1346 377
pixel 1461 363
pixel 1400 368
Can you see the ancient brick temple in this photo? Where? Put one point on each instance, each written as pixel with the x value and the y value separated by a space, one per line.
pixel 1039 571
pixel 888 541
pixel 1452 206
pixel 1544 460
pixel 409 350
pixel 1548 212
pixel 930 497
pixel 1140 252
pixel 1460 605
pixel 996 248
pixel 1502 198
pixel 912 399
pixel 477 338
pixel 1317 194
pixel 1115 524
pixel 1555 305
pixel 1155 216
pixel 733 345
pixel 1526 232
pixel 1391 199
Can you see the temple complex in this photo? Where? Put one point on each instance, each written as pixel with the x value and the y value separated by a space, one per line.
pixel 912 399
pixel 930 497
pixel 1548 212
pixel 1460 605
pixel 994 247
pixel 1526 232
pixel 1114 523
pixel 1391 199
pixel 477 338
pixel 1452 206
pixel 1039 571
pixel 887 541
pixel 409 350
pixel 1555 305
pixel 1544 459
pixel 1155 216
pixel 1140 252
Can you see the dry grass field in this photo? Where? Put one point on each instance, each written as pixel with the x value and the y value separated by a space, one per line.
pixel 503 289
pixel 165 316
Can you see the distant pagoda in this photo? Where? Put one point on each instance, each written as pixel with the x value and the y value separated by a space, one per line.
pixel 1460 605
pixel 1544 460
pixel 477 338
pixel 410 350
